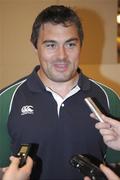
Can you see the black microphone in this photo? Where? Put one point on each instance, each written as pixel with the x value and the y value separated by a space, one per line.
pixel 26 150
pixel 88 165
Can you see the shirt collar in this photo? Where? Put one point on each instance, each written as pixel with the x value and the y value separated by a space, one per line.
pixel 35 84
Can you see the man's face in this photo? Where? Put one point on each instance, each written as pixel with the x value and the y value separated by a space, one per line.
pixel 58 52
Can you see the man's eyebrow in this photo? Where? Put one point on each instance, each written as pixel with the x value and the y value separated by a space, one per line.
pixel 72 39
pixel 48 41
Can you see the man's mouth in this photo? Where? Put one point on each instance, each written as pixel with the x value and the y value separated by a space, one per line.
pixel 61 67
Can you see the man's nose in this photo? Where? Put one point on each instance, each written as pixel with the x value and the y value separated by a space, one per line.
pixel 62 54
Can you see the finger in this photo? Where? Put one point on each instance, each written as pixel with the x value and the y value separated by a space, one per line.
pixel 111 121
pixel 107 130
pixel 108 120
pixel 109 138
pixel 87 178
pixel 110 132
pixel 29 162
pixel 27 168
pixel 11 158
pixel 92 115
pixel 102 125
pixel 14 162
pixel 109 173
pixel 4 169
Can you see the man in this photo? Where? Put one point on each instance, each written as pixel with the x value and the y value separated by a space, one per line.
pixel 47 107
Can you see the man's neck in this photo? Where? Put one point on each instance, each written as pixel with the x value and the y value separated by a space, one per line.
pixel 61 88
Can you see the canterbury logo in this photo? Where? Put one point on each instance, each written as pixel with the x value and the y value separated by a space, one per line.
pixel 28 109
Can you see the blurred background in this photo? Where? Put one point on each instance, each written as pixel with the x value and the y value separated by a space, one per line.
pixel 100 57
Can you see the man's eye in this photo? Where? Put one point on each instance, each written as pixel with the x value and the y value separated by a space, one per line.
pixel 71 45
pixel 50 45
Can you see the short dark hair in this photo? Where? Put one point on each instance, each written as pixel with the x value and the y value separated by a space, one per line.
pixel 56 14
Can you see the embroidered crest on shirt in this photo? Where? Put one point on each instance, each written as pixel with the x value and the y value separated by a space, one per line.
pixel 28 109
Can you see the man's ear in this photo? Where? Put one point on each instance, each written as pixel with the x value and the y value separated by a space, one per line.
pixel 33 47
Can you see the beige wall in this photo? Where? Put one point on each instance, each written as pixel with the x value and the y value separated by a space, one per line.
pixel 99 54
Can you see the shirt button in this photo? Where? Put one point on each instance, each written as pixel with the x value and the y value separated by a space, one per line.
pixel 62 105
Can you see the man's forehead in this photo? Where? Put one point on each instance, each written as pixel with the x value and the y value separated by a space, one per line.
pixel 58 32
pixel 66 24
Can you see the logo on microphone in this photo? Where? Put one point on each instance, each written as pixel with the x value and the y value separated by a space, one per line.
pixel 28 109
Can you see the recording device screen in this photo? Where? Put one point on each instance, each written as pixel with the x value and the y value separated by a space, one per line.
pixel 24 148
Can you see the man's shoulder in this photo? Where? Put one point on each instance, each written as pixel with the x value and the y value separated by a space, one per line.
pixel 12 87
pixel 112 98
pixel 87 83
pixel 106 89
